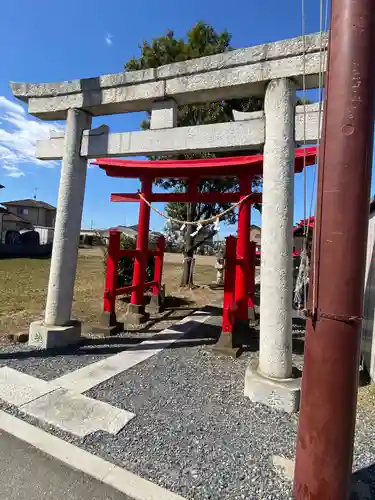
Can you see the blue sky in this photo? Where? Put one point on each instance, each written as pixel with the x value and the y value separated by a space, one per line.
pixel 51 41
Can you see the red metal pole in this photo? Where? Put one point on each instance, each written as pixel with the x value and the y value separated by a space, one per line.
pixel 111 272
pixel 330 374
pixel 141 258
pixel 229 283
pixel 243 251
pixel 158 267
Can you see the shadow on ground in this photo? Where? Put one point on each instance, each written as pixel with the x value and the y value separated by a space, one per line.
pixel 363 484
pixel 206 335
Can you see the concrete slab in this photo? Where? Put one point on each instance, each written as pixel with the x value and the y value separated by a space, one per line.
pixel 29 474
pixel 122 480
pixel 89 376
pixel 18 388
pixel 77 414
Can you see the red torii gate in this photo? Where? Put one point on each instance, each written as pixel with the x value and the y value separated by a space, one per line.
pixel 245 168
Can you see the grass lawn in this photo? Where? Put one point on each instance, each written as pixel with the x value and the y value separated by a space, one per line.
pixel 23 285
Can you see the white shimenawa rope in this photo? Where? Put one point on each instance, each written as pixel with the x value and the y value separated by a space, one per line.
pixel 323 57
pixel 322 54
pixel 304 95
pixel 200 223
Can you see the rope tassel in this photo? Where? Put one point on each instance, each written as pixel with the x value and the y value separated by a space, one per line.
pixel 199 227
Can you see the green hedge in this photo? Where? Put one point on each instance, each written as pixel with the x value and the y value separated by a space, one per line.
pixel 126 264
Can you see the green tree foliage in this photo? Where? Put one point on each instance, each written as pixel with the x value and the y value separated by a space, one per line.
pixel 201 40
pixel 126 264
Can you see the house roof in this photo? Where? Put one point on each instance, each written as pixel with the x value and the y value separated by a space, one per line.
pixel 29 203
pixel 129 231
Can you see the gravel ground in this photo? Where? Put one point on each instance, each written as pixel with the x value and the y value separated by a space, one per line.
pixel 194 432
pixel 51 364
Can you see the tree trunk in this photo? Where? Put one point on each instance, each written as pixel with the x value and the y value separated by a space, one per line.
pixel 187 274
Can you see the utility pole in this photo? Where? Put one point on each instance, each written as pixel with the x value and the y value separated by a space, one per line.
pixel 332 349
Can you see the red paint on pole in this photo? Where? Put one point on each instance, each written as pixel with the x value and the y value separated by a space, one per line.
pixel 229 282
pixel 111 271
pixel 251 275
pixel 190 197
pixel 130 288
pixel 140 260
pixel 243 250
pixel 330 374
pixel 158 267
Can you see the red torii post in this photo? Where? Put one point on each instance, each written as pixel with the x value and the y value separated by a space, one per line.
pixel 243 265
pixel 242 167
pixel 136 309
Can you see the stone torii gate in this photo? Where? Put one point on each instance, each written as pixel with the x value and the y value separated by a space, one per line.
pixel 274 70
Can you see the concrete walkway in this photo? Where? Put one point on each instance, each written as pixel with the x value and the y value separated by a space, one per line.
pixel 29 474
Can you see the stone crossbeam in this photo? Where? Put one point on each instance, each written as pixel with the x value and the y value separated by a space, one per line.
pixel 234 74
pixel 247 132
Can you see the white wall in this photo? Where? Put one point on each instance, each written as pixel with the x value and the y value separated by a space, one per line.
pixel 368 324
pixel 45 234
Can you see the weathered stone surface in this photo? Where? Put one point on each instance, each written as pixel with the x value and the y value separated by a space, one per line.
pixel 313 114
pixel 214 138
pixel 135 315
pixel 279 394
pixel 308 132
pixel 47 336
pixel 67 228
pixel 239 57
pixel 108 325
pixel 275 351
pixel 226 346
pixel 247 132
pixel 77 414
pixel 155 305
pixel 243 72
pixel 163 114
pixel 102 101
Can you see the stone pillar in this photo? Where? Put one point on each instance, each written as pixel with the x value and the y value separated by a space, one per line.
pixel 271 382
pixel 58 329
pixel 163 114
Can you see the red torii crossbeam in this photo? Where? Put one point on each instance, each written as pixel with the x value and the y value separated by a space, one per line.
pixel 244 168
pixel 229 166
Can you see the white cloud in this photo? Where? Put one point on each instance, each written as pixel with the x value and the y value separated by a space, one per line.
pixel 17 174
pixel 13 171
pixel 18 135
pixel 109 39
